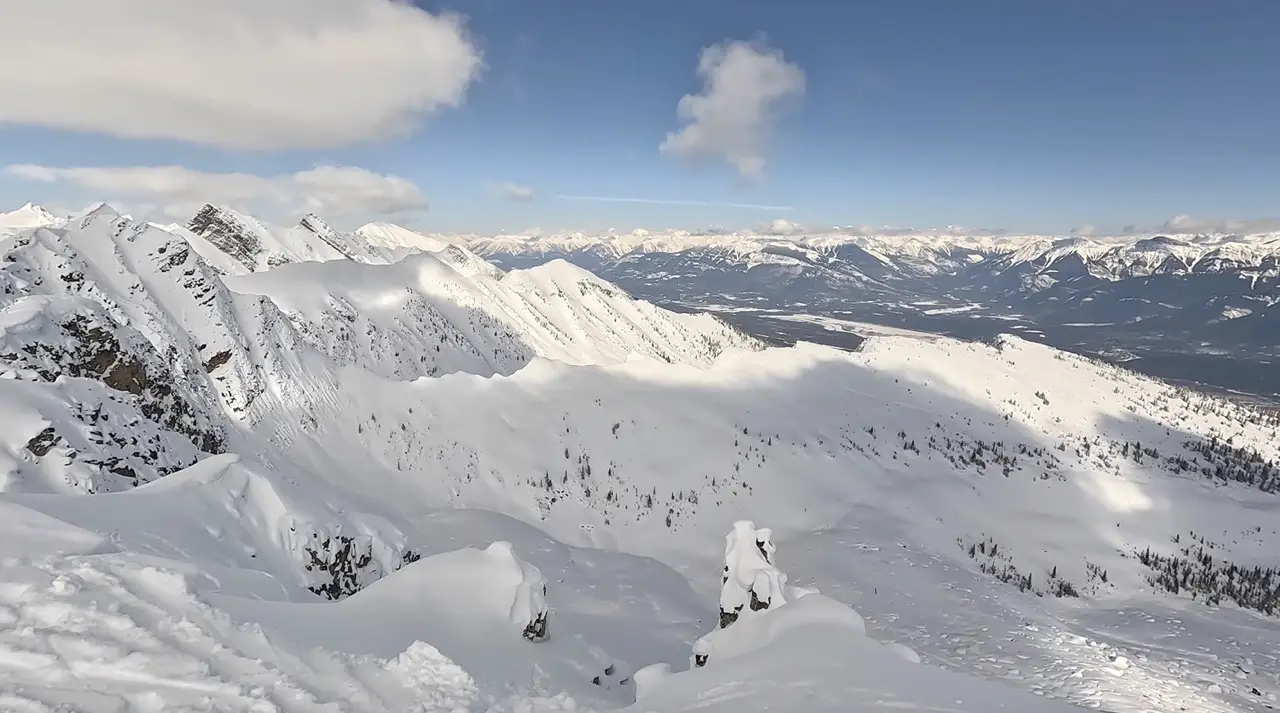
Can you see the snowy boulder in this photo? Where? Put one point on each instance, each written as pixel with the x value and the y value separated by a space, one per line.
pixel 477 606
pixel 648 678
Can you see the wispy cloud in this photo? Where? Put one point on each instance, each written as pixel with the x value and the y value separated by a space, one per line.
pixel 180 191
pixel 1191 224
pixel 661 201
pixel 512 191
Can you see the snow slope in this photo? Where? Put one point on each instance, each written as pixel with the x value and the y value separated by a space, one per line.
pixel 95 627
pixel 395 237
pixel 814 655
pixel 652 459
pixel 389 318
pixel 323 531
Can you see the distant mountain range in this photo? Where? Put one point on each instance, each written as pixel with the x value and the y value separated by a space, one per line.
pixel 1205 294
pixel 1198 290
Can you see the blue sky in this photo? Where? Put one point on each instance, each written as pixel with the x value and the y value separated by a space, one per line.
pixel 1029 116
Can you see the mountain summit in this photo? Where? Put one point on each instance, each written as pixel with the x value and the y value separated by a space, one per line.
pixel 28 216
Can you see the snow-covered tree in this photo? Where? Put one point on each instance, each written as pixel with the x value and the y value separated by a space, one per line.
pixel 750 582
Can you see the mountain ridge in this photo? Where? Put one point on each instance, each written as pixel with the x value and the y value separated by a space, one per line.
pixel 128 297
pixel 1155 290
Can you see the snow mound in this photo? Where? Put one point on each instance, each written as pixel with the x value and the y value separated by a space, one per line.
pixel 242 517
pixel 751 633
pixel 474 606
pixel 813 654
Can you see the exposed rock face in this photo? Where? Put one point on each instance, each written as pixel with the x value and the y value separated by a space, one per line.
pixel 86 345
pixel 227 234
pixel 344 565
pixel 116 413
pixel 43 442
pixel 325 232
pixel 536 631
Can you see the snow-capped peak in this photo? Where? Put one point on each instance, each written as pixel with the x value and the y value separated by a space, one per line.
pixel 390 235
pixel 27 217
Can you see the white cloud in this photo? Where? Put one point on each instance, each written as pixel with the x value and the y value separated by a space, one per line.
pixel 513 192
pixel 661 201
pixel 178 192
pixel 953 230
pixel 744 84
pixel 239 74
pixel 1189 224
pixel 782 227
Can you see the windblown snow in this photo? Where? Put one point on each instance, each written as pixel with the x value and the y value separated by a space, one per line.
pixel 252 468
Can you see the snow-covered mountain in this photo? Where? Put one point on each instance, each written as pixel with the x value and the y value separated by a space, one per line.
pixel 28 216
pixel 395 237
pixel 326 478
pixel 180 320
pixel 257 246
pixel 1216 289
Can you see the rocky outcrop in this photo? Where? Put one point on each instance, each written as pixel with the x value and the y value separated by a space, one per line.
pixel 228 234
pixel 86 344
pixel 341 565
pixel 536 630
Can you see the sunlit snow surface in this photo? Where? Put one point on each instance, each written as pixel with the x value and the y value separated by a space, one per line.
pixel 613 445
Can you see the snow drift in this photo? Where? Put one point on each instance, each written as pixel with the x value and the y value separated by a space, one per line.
pixel 813 655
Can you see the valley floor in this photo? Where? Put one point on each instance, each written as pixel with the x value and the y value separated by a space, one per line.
pixel 1249 378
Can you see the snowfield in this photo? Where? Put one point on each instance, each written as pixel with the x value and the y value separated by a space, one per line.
pixel 340 473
